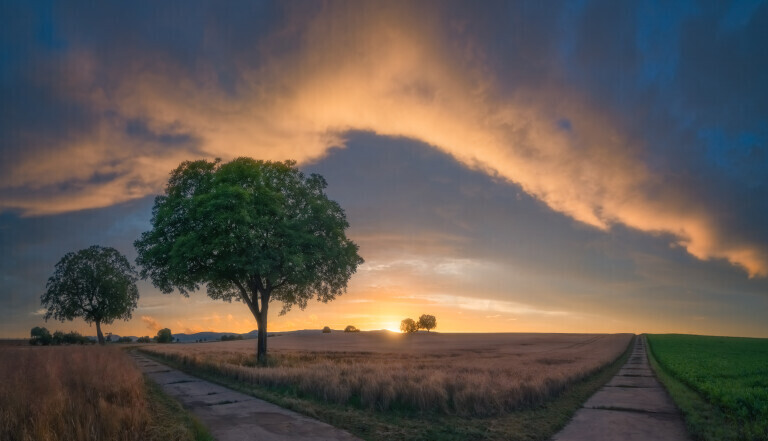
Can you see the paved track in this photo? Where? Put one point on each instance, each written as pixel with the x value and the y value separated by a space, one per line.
pixel 633 406
pixel 234 416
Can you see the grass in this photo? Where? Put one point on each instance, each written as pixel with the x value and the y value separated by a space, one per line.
pixel 719 383
pixel 84 393
pixel 534 415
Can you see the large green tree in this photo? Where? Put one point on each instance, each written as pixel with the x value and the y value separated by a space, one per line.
pixel 97 284
pixel 253 231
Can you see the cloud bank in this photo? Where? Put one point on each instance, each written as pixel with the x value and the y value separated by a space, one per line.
pixel 315 73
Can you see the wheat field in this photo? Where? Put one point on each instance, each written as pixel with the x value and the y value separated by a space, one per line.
pixel 74 393
pixel 461 374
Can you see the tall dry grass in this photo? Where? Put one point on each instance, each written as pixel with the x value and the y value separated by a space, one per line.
pixel 71 393
pixel 466 376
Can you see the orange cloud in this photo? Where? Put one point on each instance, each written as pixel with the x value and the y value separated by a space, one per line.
pixel 380 69
pixel 151 323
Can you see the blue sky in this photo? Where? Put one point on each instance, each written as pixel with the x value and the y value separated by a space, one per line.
pixel 561 167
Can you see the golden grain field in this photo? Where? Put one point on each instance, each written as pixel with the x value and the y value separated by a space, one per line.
pixel 77 393
pixel 462 374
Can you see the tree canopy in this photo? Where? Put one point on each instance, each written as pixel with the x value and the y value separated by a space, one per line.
pixel 97 284
pixel 253 231
pixel 409 326
pixel 164 336
pixel 427 322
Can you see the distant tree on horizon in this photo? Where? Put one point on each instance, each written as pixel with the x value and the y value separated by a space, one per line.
pixel 144 339
pixel 164 336
pixel 40 336
pixel 252 231
pixel 427 322
pixel 97 284
pixel 351 328
pixel 326 330
pixel 408 326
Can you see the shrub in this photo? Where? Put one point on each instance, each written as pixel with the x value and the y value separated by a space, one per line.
pixel 231 337
pixel 125 340
pixel 144 339
pixel 326 330
pixel 351 328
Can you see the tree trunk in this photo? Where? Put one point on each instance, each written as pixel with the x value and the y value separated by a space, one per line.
pixel 261 345
pixel 98 332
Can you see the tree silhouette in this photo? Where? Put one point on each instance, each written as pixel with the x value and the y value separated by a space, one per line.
pixel 409 326
pixel 351 328
pixel 253 231
pixel 97 284
pixel 427 322
pixel 164 336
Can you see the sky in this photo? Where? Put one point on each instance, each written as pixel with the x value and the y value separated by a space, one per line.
pixel 575 166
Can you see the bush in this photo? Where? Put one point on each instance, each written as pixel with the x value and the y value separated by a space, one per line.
pixel 125 340
pixel 326 330
pixel 231 337
pixel 351 328
pixel 144 339
pixel 164 336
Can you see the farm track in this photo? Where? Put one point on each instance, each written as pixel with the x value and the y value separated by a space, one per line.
pixel 633 406
pixel 234 416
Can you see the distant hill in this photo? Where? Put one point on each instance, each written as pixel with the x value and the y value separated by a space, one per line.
pixel 216 336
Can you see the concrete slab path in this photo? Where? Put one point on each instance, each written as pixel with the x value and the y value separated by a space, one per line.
pixel 234 416
pixel 633 406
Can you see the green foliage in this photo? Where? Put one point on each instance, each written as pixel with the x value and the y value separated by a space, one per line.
pixel 730 373
pixel 97 284
pixel 253 231
pixel 231 337
pixel 351 328
pixel 125 340
pixel 164 336
pixel 40 336
pixel 427 322
pixel 144 339
pixel 409 326
pixel 326 330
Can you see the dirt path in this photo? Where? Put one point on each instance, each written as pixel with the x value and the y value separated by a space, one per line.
pixel 234 416
pixel 633 406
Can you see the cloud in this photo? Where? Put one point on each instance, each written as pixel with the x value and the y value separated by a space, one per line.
pixel 151 323
pixel 390 69
pixel 487 305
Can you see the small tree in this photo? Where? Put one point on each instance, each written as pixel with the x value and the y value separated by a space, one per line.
pixel 125 340
pixel 58 338
pixel 408 326
pixel 97 284
pixel 40 336
pixel 427 322
pixel 164 336
pixel 326 330
pixel 144 339
pixel 351 328
pixel 253 231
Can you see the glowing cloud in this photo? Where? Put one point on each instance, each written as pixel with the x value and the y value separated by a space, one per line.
pixel 151 323
pixel 384 69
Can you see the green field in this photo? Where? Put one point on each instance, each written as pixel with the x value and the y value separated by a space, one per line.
pixel 729 374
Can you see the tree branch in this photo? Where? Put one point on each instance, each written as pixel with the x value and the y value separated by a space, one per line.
pixel 246 299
